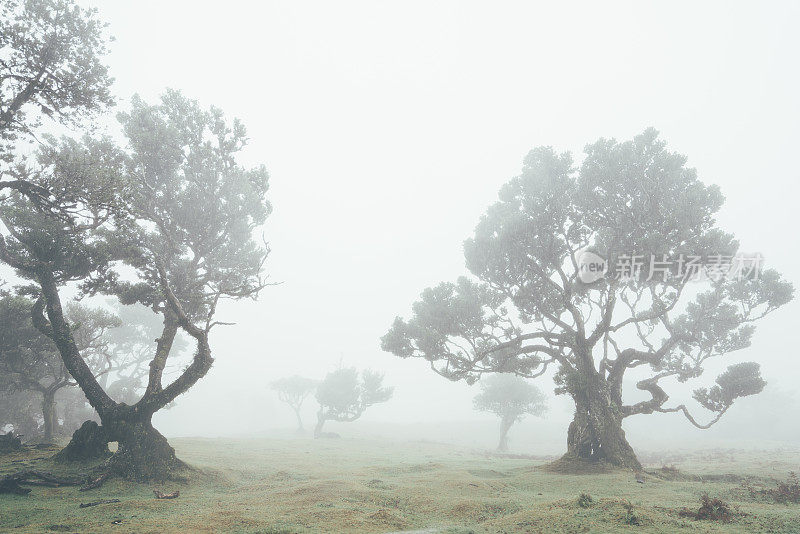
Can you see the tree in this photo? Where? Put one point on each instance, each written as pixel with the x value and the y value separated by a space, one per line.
pixel 51 67
pixel 100 211
pixel 343 397
pixel 18 411
pixel 510 398
pixel 29 361
pixel 530 304
pixel 294 390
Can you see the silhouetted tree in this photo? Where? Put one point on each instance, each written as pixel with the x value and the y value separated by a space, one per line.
pixel 343 397
pixel 294 390
pixel 528 305
pixel 19 410
pixel 510 398
pixel 29 361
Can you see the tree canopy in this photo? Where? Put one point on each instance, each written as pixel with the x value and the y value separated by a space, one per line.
pixel 51 67
pixel 526 306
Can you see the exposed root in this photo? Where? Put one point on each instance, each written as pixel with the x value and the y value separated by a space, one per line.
pixel 13 483
pixel 96 482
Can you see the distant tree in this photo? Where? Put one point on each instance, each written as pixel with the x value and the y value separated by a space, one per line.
pixel 529 304
pixel 510 398
pixel 30 362
pixel 294 390
pixel 343 397
pixel 19 411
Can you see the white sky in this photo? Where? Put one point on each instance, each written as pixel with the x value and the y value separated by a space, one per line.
pixel 389 127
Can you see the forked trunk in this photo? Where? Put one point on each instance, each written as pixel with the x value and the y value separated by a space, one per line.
pixel 143 453
pixel 596 434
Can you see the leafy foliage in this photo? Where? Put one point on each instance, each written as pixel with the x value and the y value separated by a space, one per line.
pixel 525 307
pixel 50 66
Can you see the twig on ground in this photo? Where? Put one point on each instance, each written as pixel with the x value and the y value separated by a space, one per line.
pixel 95 503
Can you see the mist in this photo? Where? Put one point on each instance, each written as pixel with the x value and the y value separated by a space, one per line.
pixel 386 132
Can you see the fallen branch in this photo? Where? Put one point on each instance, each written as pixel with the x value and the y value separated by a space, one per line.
pixel 48 478
pixel 95 503
pixel 13 483
pixel 9 484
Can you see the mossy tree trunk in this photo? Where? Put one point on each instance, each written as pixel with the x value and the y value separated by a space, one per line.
pixel 89 442
pixel 595 433
pixel 143 453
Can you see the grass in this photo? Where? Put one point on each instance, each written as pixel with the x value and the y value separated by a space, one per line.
pixel 304 485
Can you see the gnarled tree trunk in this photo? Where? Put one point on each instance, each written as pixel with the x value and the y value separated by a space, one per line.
pixel 89 442
pixel 144 453
pixel 595 433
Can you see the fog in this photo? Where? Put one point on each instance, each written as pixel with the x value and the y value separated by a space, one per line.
pixel 388 129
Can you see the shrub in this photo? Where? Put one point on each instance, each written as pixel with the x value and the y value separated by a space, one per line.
pixel 711 509
pixel 585 500
pixel 789 491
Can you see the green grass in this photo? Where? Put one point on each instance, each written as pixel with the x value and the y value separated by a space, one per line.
pixel 304 485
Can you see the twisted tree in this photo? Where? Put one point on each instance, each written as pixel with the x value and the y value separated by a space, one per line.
pixel 534 301
pixel 343 397
pixel 167 223
pixel 294 390
pixel 510 398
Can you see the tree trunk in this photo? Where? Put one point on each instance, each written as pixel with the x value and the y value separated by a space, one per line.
pixel 143 453
pixel 320 422
pixel 300 428
pixel 49 415
pixel 89 442
pixel 595 433
pixel 505 426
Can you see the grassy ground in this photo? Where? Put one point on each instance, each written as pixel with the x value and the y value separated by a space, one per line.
pixel 343 485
